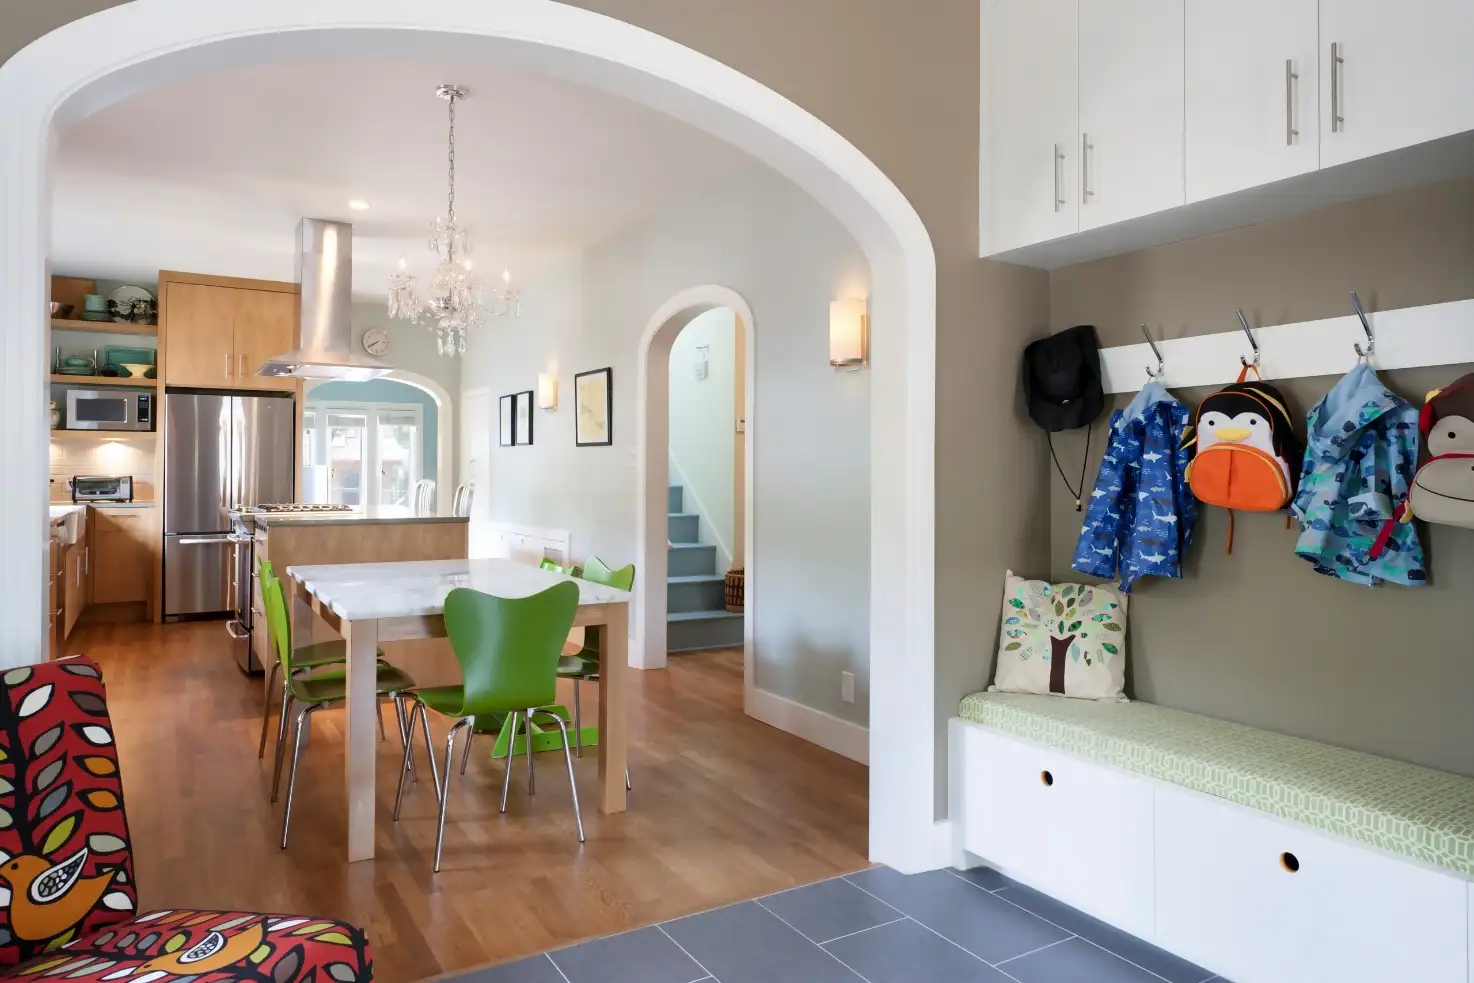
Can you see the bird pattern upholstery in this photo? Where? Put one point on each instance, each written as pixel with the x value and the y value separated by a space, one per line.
pixel 68 902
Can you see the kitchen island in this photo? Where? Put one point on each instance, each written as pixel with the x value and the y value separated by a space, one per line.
pixel 377 534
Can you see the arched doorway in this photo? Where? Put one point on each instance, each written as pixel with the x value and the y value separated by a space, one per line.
pixel 96 61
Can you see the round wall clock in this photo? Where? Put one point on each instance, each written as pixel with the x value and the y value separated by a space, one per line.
pixel 376 342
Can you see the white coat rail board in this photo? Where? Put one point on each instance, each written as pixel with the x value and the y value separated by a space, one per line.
pixel 1437 334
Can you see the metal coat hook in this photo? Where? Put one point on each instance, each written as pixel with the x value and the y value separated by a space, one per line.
pixel 1365 326
pixel 1161 365
pixel 1244 323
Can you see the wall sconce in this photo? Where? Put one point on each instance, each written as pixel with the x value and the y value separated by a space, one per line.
pixel 547 391
pixel 847 334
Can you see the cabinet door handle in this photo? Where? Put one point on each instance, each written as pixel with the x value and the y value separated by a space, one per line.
pixel 1054 164
pixel 243 366
pixel 1086 147
pixel 228 366
pixel 1291 77
pixel 1338 121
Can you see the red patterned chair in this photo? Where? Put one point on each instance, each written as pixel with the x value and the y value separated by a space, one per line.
pixel 68 902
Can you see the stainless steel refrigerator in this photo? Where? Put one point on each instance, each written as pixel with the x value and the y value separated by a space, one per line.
pixel 221 450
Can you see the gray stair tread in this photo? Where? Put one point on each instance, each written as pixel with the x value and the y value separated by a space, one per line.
pixel 702 615
pixel 691 546
pixel 683 515
pixel 704 578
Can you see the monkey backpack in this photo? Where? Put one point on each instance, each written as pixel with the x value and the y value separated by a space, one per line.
pixel 1245 452
pixel 1443 488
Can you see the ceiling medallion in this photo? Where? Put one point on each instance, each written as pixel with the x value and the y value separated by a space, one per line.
pixel 453 302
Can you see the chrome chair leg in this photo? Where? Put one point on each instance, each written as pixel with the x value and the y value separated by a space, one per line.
pixel 302 722
pixel 281 737
pixel 450 750
pixel 527 737
pixel 430 747
pixel 409 744
pixel 572 784
pixel 379 713
pixel 466 754
pixel 511 744
pixel 404 733
pixel 627 786
pixel 577 719
pixel 266 708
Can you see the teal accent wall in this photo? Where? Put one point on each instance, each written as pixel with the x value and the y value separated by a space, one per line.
pixel 388 391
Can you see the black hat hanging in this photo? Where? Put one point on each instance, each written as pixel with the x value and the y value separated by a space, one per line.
pixel 1062 387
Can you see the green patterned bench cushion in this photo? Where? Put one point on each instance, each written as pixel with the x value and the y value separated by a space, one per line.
pixel 1401 808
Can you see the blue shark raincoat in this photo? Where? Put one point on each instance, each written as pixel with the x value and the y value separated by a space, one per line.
pixel 1359 465
pixel 1142 513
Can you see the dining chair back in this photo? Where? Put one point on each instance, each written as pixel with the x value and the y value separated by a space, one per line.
pixel 598 572
pixel 422 497
pixel 461 504
pixel 278 625
pixel 508 648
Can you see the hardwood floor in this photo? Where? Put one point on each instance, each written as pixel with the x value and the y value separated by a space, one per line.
pixel 724 808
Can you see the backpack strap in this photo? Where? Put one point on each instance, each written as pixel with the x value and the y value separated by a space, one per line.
pixel 1400 514
pixel 1244 372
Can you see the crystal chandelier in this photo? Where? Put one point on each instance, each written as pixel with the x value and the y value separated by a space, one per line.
pixel 454 300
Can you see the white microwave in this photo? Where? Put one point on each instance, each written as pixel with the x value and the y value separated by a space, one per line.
pixel 100 409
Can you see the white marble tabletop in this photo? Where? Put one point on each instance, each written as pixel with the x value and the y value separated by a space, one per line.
pixel 370 591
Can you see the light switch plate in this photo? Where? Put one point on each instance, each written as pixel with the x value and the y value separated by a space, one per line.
pixel 847 686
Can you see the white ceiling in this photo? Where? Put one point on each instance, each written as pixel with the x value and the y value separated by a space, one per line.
pixel 213 176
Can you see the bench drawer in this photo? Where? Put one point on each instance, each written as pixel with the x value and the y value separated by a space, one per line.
pixel 1077 831
pixel 1265 901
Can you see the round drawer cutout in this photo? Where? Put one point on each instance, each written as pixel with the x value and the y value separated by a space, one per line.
pixel 1289 862
pixel 1046 778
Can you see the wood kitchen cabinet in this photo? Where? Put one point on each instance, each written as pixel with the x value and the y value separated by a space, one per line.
pixel 122 545
pixel 217 331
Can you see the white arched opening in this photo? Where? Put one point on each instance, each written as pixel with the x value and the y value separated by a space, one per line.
pixel 96 61
pixel 444 428
pixel 652 441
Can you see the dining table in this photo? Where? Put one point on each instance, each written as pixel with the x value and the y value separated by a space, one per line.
pixel 370 604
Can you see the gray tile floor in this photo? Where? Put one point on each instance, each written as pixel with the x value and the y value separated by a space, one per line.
pixel 876 926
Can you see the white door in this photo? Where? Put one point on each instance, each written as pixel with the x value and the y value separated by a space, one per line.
pixel 1131 104
pixel 1405 75
pixel 1032 121
pixel 475 466
pixel 1253 78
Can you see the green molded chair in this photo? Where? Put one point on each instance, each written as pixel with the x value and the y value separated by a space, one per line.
pixel 314 693
pixel 585 664
pixel 318 656
pixel 508 649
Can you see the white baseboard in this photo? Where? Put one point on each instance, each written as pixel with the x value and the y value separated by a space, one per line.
pixel 814 726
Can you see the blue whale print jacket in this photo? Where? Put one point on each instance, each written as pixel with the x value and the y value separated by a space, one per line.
pixel 1142 512
pixel 1359 464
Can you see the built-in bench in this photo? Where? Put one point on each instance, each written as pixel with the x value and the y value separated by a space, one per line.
pixel 1260 856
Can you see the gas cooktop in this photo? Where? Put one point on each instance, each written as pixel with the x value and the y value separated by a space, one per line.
pixel 274 507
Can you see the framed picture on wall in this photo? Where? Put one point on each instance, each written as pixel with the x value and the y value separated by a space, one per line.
pixel 522 429
pixel 593 398
pixel 507 418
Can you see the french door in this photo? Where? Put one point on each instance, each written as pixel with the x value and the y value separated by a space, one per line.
pixel 362 454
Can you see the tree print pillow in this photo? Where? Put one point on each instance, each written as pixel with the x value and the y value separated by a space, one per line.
pixel 1062 639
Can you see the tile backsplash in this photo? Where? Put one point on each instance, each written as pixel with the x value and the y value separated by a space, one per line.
pixel 111 455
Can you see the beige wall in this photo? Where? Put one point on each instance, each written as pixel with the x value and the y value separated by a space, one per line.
pixel 1257 636
pixel 904 89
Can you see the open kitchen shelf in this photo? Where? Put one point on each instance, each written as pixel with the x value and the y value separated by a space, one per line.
pixel 103 434
pixel 105 380
pixel 103 327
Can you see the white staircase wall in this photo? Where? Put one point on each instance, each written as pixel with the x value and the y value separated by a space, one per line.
pixel 702 428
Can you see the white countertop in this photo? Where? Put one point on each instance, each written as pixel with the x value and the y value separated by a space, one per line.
pixel 371 515
pixel 369 591
pixel 60 512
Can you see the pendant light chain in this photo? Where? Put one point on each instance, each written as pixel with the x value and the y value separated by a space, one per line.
pixel 451 208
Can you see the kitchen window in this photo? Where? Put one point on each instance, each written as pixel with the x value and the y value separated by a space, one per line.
pixel 362 454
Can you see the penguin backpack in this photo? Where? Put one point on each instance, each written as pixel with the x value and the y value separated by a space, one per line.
pixel 1245 452
pixel 1443 487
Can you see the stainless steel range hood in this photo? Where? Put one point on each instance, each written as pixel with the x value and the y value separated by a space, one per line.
pixel 325 270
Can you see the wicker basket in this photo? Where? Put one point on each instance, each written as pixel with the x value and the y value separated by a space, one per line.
pixel 736 587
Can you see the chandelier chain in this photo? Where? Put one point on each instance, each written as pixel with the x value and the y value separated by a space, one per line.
pixel 451 208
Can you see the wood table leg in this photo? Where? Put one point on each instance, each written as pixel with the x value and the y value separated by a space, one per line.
pixel 362 736
pixel 613 739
